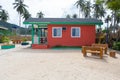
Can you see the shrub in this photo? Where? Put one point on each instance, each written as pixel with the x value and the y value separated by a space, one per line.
pixel 116 46
pixel 24 39
pixel 0 40
pixel 5 39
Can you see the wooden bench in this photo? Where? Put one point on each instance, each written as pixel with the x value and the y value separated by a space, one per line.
pixel 93 50
pixel 16 41
pixel 104 47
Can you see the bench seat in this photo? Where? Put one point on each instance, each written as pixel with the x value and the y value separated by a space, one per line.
pixel 103 46
pixel 93 50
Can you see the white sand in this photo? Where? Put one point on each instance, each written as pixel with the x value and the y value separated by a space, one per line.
pixel 24 63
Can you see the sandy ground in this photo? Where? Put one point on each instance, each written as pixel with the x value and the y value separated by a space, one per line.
pixel 23 63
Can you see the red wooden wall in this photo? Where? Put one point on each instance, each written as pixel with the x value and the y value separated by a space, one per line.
pixel 87 36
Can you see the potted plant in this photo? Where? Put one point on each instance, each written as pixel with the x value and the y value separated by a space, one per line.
pixel 6 41
pixel 24 41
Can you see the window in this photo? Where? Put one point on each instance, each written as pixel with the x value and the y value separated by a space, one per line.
pixel 57 32
pixel 75 32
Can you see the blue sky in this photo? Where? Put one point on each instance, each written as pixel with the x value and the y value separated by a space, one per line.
pixel 50 8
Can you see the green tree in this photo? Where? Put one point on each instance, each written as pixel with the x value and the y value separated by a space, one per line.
pixel 87 9
pixel 114 6
pixel 74 16
pixel 68 16
pixel 21 8
pixel 40 14
pixel 26 15
pixel 80 4
pixel 108 19
pixel 3 15
pixel 99 10
pixel 118 17
pixel 0 7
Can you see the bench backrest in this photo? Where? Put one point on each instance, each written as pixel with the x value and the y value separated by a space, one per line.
pixel 92 48
pixel 100 45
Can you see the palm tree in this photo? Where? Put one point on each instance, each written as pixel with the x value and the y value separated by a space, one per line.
pixel 3 15
pixel 26 15
pixel 113 6
pixel 21 8
pixel 99 10
pixel 96 10
pixel 80 4
pixel 87 9
pixel 40 15
pixel 0 7
pixel 68 16
pixel 74 16
pixel 118 18
pixel 107 20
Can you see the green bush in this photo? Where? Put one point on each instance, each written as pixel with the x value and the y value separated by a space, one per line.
pixel 0 40
pixel 116 46
pixel 24 39
pixel 5 39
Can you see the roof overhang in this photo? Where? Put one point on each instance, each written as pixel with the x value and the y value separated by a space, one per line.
pixel 63 21
pixel 71 23
pixel 3 28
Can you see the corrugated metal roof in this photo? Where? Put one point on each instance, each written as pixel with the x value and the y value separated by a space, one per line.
pixel 62 20
pixel 3 28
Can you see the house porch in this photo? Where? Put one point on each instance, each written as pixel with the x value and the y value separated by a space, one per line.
pixel 39 36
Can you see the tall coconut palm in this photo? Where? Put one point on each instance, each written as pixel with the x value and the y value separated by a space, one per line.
pixel 102 12
pixel 74 16
pixel 26 15
pixel 87 9
pixel 3 15
pixel 21 8
pixel 107 20
pixel 40 14
pixel 118 18
pixel 0 7
pixel 68 16
pixel 80 4
pixel 99 10
pixel 113 5
pixel 96 10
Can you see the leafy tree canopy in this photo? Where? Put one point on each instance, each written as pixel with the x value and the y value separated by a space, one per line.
pixel 99 1
pixel 113 4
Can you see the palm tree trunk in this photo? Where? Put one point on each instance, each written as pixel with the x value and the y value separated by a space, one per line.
pixel 114 22
pixel 19 19
pixel 107 33
pixel 79 12
pixel 25 30
pixel 19 23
